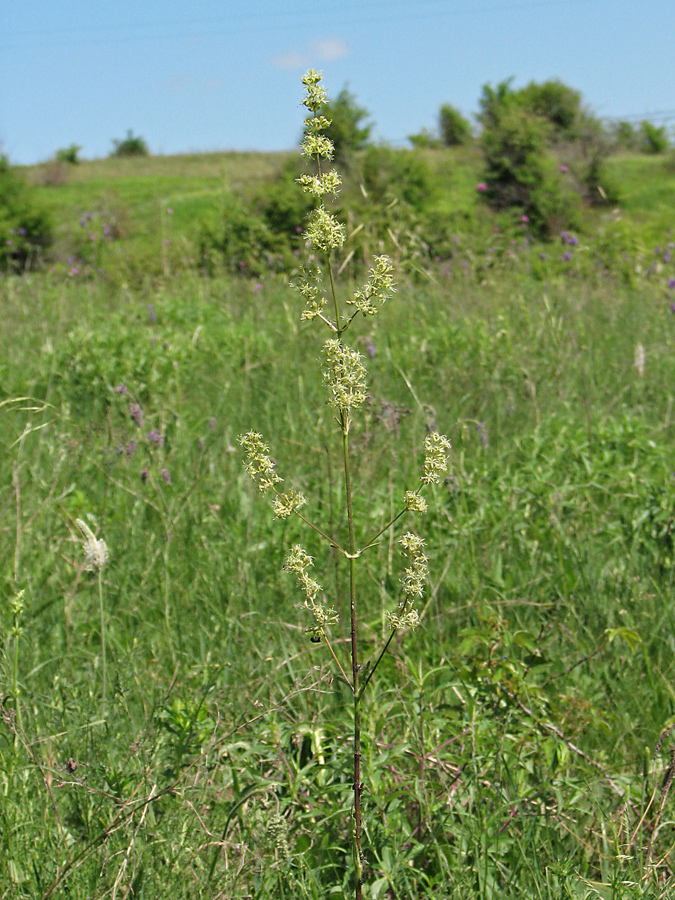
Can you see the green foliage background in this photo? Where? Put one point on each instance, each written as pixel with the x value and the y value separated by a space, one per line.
pixel 510 743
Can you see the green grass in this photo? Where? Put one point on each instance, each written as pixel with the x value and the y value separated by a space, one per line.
pixel 508 743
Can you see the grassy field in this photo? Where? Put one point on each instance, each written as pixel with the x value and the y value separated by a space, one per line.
pixel 168 728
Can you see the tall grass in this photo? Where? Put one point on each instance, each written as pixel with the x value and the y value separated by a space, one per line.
pixel 509 750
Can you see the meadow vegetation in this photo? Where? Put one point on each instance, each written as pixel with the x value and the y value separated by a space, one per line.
pixel 168 727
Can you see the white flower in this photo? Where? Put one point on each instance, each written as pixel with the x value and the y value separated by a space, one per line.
pixel 96 553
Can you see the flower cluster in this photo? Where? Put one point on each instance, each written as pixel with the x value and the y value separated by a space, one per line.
pixel 258 463
pixel 316 94
pixel 324 232
pixel 286 504
pixel 345 374
pixel 379 287
pixel 310 288
pixel 436 450
pixel 298 561
pixel 96 553
pixel 320 185
pixel 414 502
pixel 412 582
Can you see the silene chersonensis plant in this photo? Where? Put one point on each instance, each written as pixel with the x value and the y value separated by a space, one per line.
pixel 345 377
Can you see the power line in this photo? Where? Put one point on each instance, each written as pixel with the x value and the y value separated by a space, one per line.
pixel 250 23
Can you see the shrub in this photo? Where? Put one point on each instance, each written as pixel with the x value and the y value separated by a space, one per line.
pixel 453 127
pixel 68 155
pixel 25 228
pixel 348 129
pixel 625 135
pixel 556 102
pixel 515 156
pixel 653 138
pixel 520 173
pixel 425 139
pixel 241 240
pixel 282 206
pixel 494 102
pixel 131 145
pixel 400 175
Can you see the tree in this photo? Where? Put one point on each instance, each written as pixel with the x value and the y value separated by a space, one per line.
pixel 131 145
pixel 554 101
pixel 453 127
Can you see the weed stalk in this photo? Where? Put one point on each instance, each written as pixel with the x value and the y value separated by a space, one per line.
pixel 345 376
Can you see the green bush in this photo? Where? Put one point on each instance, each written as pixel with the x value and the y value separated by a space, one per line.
pixel 282 206
pixel 453 127
pixel 520 174
pixel 238 238
pixel 653 138
pixel 25 227
pixel 625 135
pixel 400 175
pixel 131 145
pixel 424 139
pixel 494 102
pixel 554 101
pixel 515 157
pixel 68 155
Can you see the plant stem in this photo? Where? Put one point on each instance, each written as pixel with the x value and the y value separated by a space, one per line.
pixel 100 606
pixel 358 870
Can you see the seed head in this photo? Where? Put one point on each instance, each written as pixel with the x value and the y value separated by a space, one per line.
pixel 345 374
pixel 436 450
pixel 379 287
pixel 96 553
pixel 315 93
pixel 415 502
pixel 298 561
pixel 286 504
pixel 258 463
pixel 324 232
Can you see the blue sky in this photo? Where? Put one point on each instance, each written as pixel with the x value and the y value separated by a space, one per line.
pixel 226 75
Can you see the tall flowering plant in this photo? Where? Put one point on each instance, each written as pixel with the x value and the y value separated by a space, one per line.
pixel 345 377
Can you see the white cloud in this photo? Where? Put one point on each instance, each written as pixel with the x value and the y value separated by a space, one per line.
pixel 317 51
pixel 329 49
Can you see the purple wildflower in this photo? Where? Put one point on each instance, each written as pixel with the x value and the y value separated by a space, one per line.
pixel 130 448
pixel 121 389
pixel 481 186
pixel 542 256
pixel 156 437
pixel 572 240
pixel 524 219
pixel 567 255
pixel 257 287
pixel 166 475
pixel 671 284
pixel 564 169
